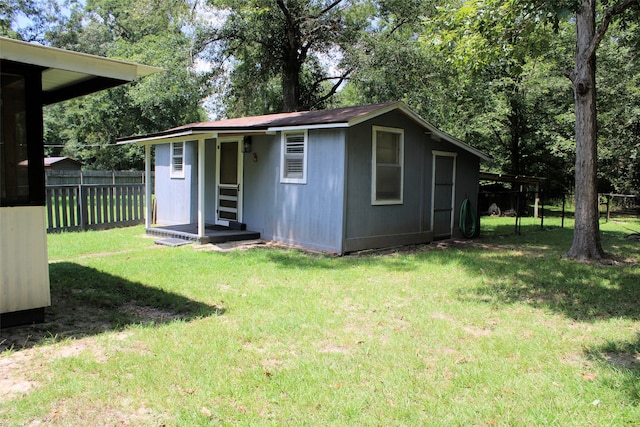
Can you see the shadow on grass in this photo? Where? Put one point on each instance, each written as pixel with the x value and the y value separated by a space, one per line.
pixel 622 357
pixel 536 274
pixel 86 301
pixel 526 269
pixel 539 276
pixel 393 259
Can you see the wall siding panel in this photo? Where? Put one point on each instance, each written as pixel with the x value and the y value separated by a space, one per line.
pixel 310 214
pixel 24 268
pixel 370 226
pixel 177 198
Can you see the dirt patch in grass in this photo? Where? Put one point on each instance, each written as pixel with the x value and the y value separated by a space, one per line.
pixel 68 412
pixel 23 371
pixel 151 314
pixel 623 360
pixel 17 375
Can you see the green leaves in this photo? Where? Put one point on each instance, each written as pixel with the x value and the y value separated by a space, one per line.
pixel 289 52
pixel 151 32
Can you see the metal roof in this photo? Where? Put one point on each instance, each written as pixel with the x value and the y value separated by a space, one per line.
pixel 69 74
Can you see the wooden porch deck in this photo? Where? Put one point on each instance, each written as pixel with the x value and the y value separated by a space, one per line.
pixel 213 233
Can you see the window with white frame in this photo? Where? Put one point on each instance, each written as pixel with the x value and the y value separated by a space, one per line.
pixel 177 159
pixel 387 166
pixel 294 157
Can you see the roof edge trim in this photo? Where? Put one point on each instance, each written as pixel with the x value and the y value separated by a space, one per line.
pixel 53 57
pixel 165 138
pixel 443 135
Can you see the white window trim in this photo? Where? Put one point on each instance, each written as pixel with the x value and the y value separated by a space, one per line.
pixel 174 173
pixel 374 201
pixel 283 145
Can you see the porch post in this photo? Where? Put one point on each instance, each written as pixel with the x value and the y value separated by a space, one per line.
pixel 147 185
pixel 201 162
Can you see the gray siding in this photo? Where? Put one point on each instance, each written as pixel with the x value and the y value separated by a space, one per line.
pixel 309 215
pixel 467 181
pixel 176 197
pixel 369 226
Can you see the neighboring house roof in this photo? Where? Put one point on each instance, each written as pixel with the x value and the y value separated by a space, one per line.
pixel 50 161
pixel 320 119
pixel 69 74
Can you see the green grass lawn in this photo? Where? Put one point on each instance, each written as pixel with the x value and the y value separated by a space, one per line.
pixel 503 331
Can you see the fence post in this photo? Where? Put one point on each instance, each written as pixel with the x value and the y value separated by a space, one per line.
pixel 50 195
pixel 518 197
pixel 542 209
pixel 83 203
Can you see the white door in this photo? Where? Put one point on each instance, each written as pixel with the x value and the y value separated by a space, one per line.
pixel 228 181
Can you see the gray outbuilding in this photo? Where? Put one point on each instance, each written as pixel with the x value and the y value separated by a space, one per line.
pixel 335 181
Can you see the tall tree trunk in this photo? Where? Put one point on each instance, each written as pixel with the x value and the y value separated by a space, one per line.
pixel 586 235
pixel 291 86
pixel 514 117
pixel 292 60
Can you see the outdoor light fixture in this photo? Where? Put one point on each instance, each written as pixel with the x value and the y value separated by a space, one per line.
pixel 246 144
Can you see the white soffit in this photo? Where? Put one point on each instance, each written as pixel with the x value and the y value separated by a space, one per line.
pixel 53 79
pixel 65 60
pixel 63 68
pixel 188 135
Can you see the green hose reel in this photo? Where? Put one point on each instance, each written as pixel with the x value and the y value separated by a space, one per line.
pixel 467 215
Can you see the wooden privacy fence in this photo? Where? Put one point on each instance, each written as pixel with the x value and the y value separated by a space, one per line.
pixel 93 207
pixel 79 177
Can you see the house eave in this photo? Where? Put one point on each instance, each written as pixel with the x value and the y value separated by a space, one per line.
pixel 67 74
pixel 187 135
pixel 168 137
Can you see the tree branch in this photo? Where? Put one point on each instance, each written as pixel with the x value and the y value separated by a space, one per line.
pixel 335 87
pixel 328 8
pixel 609 13
pixel 498 137
pixel 285 11
pixel 569 74
pixel 399 25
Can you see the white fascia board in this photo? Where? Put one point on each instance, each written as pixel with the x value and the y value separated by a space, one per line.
pixel 273 130
pixel 445 136
pixel 437 133
pixel 238 132
pixel 165 139
pixel 51 57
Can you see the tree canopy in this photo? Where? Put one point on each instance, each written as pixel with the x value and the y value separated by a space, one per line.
pixel 284 55
pixel 150 32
